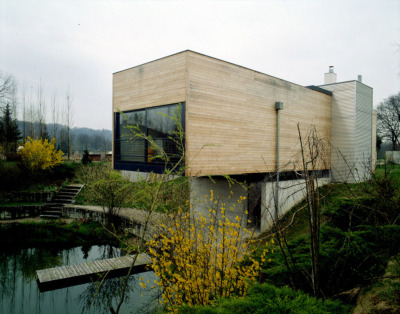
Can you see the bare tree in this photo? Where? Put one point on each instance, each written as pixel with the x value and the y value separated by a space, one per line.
pixel 104 140
pixel 24 112
pixel 8 89
pixel 69 116
pixel 31 114
pixel 312 157
pixel 55 113
pixel 388 114
pixel 83 140
pixel 41 110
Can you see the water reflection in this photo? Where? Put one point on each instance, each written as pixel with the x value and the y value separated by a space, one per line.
pixel 19 292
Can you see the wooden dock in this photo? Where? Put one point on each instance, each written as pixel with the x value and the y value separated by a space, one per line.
pixel 66 276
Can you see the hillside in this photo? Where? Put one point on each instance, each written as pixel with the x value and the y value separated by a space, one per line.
pixel 81 138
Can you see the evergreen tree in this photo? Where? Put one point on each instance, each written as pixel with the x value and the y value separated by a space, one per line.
pixel 44 134
pixel 85 158
pixel 9 132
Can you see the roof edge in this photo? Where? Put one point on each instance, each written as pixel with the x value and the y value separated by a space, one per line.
pixel 319 89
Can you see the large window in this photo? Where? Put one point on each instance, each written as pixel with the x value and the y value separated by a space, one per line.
pixel 135 153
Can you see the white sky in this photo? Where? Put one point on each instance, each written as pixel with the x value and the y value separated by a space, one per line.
pixel 81 43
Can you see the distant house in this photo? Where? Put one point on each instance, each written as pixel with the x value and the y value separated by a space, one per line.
pixel 233 118
pixel 100 156
pixel 95 156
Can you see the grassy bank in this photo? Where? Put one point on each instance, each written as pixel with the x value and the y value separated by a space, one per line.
pixel 359 242
pixel 266 298
pixel 15 181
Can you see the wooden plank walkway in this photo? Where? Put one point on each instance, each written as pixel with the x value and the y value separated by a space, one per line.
pixel 71 275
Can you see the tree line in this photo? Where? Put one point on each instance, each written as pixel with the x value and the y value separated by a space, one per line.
pixel 43 117
pixel 388 121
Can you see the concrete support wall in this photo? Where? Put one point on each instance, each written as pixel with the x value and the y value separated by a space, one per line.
pixel 290 192
pixel 393 157
pixel 134 176
pixel 19 212
pixel 224 194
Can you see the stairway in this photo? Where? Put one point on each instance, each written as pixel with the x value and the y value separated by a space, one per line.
pixel 53 210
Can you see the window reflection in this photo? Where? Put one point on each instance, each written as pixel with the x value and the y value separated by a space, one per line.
pixel 156 123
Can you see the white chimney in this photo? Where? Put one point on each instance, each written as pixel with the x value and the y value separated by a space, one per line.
pixel 330 77
pixel 359 78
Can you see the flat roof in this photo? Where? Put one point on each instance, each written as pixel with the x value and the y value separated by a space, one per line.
pixel 191 51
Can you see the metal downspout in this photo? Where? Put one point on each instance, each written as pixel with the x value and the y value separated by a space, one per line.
pixel 278 108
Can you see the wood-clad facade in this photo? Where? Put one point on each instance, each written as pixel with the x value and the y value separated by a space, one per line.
pixel 233 109
pixel 230 118
pixel 353 131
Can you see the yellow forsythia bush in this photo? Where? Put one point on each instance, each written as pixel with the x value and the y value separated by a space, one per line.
pixel 40 155
pixel 200 259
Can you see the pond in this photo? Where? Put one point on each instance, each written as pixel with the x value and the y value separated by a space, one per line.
pixel 19 292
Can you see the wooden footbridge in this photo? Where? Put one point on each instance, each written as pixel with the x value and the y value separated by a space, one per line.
pixel 66 276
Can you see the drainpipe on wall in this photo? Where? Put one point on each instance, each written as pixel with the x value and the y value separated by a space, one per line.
pixel 278 108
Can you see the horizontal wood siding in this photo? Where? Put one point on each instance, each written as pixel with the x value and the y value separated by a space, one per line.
pixel 156 83
pixel 231 119
pixel 343 130
pixel 363 132
pixel 374 152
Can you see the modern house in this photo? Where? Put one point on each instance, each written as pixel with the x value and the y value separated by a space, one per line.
pixel 241 123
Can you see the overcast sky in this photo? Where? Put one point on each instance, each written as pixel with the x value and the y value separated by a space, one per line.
pixel 81 43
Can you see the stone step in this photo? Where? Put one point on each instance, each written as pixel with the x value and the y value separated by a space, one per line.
pixel 56 205
pixel 51 206
pixel 62 200
pixel 51 212
pixel 65 196
pixel 71 188
pixel 46 216
pixel 67 193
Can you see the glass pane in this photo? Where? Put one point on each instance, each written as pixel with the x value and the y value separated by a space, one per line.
pixel 132 119
pixel 159 121
pixel 154 122
pixel 161 126
pixel 133 150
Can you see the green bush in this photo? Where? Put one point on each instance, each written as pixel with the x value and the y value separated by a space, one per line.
pixel 391 294
pixel 10 175
pixel 265 298
pixel 347 259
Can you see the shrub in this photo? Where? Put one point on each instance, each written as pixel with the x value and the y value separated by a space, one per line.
pixel 112 191
pixel 89 173
pixel 40 155
pixel 348 258
pixel 200 259
pixel 10 175
pixel 265 298
pixel 172 194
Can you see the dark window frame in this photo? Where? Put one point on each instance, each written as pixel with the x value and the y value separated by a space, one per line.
pixel 146 166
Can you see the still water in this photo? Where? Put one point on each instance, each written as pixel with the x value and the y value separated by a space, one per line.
pixel 19 292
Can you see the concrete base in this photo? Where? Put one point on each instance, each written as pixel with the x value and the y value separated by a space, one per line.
pixel 136 176
pixel 225 195
pixel 392 157
pixel 291 192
